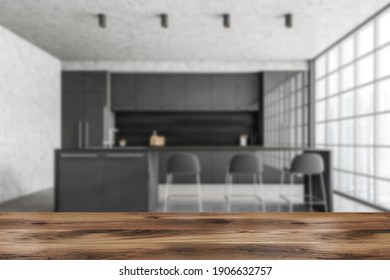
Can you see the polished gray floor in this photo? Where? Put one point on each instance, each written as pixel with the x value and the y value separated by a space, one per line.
pixel 213 200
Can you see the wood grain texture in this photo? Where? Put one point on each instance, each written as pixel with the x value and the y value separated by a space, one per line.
pixel 194 236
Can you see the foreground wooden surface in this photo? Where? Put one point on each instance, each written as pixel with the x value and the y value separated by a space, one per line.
pixel 194 236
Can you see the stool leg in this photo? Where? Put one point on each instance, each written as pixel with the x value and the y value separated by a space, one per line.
pixel 229 193
pixel 168 184
pixel 255 188
pixel 200 203
pixel 311 193
pixel 324 196
pixel 280 190
pixel 291 191
pixel 262 192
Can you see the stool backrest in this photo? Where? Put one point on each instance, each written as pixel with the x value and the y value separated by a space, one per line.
pixel 307 164
pixel 183 164
pixel 245 164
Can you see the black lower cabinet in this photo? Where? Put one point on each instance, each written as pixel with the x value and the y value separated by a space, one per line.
pixel 126 181
pixel 96 182
pixel 80 183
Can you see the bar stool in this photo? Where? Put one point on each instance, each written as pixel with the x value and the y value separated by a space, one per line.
pixel 245 164
pixel 183 164
pixel 309 164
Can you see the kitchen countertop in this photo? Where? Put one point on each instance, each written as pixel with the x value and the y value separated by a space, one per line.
pixel 188 148
pixel 194 236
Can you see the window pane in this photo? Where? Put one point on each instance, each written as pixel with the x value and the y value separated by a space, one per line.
pixel 347 51
pixel 320 111
pixel 346 183
pixel 332 133
pixel 348 78
pixel 365 100
pixel 335 156
pixel 347 132
pixel 366 39
pixel 384 95
pixel 384 62
pixel 383 129
pixel 333 108
pixel 383 157
pixel 383 193
pixel 333 58
pixel 321 67
pixel 365 160
pixel 320 134
pixel 384 27
pixel 364 188
pixel 347 105
pixel 365 131
pixel 365 70
pixel 334 84
pixel 320 89
pixel 347 158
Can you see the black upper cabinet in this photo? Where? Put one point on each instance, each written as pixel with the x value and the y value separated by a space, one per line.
pixel 123 95
pixel 248 92
pixel 73 82
pixel 199 92
pixel 83 101
pixel 167 92
pixel 173 92
pixel 96 83
pixel 224 92
pixel 148 88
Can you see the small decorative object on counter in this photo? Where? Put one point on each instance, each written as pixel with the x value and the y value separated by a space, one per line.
pixel 243 140
pixel 157 140
pixel 122 142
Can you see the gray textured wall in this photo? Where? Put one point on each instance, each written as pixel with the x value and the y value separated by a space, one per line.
pixel 29 116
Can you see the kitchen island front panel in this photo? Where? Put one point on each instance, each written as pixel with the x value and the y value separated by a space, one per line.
pixel 127 179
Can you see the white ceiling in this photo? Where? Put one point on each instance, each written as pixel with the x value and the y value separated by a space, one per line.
pixel 68 29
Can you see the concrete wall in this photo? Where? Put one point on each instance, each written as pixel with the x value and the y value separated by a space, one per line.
pixel 30 120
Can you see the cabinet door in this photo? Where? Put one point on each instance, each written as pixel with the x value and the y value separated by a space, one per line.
pixel 148 92
pixel 72 119
pixel 173 92
pixel 80 183
pixel 94 104
pixel 96 82
pixel 223 92
pixel 126 182
pixel 248 91
pixel 72 82
pixel 123 93
pixel 199 92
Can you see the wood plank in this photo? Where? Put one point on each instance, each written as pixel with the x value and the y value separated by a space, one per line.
pixel 194 236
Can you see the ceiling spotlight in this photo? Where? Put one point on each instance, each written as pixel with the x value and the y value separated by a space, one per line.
pixel 102 20
pixel 288 20
pixel 164 20
pixel 226 20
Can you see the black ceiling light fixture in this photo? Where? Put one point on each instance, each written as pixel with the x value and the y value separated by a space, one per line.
pixel 102 20
pixel 226 20
pixel 164 20
pixel 288 20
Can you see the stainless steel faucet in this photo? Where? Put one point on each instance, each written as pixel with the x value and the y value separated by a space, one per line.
pixel 111 137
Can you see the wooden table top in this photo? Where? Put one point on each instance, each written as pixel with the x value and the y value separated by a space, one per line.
pixel 270 236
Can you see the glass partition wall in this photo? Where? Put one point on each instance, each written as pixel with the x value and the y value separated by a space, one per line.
pixel 286 118
pixel 352 111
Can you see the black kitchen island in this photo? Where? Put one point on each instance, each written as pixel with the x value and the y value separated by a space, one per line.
pixel 127 179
